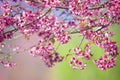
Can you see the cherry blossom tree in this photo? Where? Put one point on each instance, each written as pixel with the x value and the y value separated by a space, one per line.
pixel 91 19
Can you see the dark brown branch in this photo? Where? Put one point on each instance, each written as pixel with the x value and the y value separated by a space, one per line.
pixel 97 7
pixel 60 7
pixel 74 32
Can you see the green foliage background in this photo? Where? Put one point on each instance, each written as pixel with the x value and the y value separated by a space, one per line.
pixel 62 71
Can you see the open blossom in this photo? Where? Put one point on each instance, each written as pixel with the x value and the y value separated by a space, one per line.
pixel 52 3
pixel 76 64
pixel 2 45
pixel 7 9
pixel 60 35
pixel 105 62
pixel 41 50
pixel 82 7
pixel 7 64
pixel 51 59
pixel 86 54
pixel 113 7
pixel 111 48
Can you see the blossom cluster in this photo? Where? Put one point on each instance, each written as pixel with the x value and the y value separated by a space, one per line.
pixel 86 54
pixel 46 53
pixel 7 64
pixel 102 40
pixel 105 62
pixel 77 64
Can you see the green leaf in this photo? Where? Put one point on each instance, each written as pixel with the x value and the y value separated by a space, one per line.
pixel 53 40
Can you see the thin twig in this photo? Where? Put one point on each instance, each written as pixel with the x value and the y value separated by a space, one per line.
pixel 97 7
pixel 82 40
pixel 57 46
pixel 60 7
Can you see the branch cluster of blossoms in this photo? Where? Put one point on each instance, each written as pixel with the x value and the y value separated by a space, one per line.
pixel 46 53
pixel 86 54
pixel 105 62
pixel 89 18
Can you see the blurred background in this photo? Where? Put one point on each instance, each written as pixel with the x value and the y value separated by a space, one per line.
pixel 32 68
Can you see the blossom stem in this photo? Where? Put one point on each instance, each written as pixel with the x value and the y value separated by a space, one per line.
pixel 82 40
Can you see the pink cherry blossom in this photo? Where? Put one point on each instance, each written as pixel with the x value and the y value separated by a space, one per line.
pixel 55 21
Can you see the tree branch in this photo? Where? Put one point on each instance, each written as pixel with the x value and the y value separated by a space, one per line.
pixel 97 7
pixel 16 29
